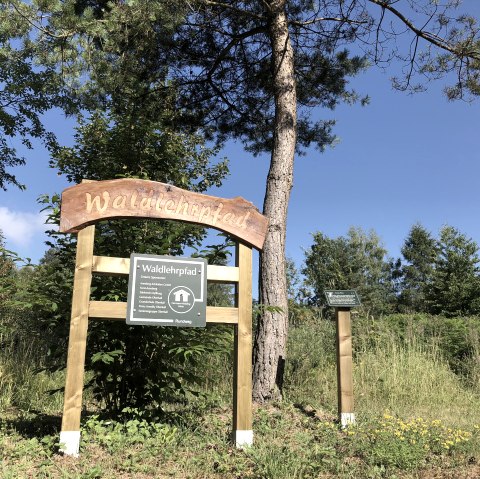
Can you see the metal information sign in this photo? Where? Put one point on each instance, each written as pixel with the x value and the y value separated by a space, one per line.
pixel 342 298
pixel 167 291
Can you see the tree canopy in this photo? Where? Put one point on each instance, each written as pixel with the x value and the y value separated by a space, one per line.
pixel 454 288
pixel 436 275
pixel 355 261
pixel 254 71
pixel 419 251
pixel 27 90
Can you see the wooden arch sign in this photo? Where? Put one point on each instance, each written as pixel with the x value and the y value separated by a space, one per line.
pixel 84 205
pixel 90 202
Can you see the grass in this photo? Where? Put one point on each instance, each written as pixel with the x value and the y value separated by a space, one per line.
pixel 22 385
pixel 410 379
pixel 289 443
pixel 416 419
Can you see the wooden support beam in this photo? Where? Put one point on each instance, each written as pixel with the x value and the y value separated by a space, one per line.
pixel 70 433
pixel 121 266
pixel 344 366
pixel 242 392
pixel 222 274
pixel 109 265
pixel 117 311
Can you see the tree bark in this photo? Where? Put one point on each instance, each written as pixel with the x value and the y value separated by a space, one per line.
pixel 271 332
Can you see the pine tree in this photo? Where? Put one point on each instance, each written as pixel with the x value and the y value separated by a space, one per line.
pixel 254 70
pixel 420 252
pixel 455 286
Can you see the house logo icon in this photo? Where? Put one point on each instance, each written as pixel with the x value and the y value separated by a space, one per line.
pixel 181 299
pixel 181 296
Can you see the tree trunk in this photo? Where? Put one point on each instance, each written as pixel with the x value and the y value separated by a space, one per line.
pixel 271 333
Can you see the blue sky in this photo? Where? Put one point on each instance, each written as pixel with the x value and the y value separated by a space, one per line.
pixel 400 160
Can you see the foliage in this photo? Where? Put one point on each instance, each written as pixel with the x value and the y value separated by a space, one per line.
pixel 223 76
pixel 455 285
pixel 420 251
pixel 311 361
pixel 290 443
pixel 432 425
pixel 436 275
pixel 20 352
pixel 224 95
pixel 22 385
pixel 393 442
pixel 221 295
pixel 125 131
pixel 7 272
pixel 12 282
pixel 357 261
pixel 432 368
pixel 27 91
pixel 455 341
pixel 116 435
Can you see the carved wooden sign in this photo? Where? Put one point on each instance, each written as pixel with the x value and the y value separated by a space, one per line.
pixel 90 202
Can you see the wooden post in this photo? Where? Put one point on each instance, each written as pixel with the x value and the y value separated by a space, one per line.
pixel 344 366
pixel 242 381
pixel 70 433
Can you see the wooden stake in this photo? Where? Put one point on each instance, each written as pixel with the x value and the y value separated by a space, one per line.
pixel 344 366
pixel 70 434
pixel 242 384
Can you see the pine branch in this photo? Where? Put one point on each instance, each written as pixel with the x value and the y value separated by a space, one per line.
pixel 241 11
pixel 428 36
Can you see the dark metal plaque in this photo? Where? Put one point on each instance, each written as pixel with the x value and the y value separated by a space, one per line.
pixel 342 298
pixel 167 291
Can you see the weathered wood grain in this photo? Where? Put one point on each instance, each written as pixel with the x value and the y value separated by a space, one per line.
pixel 109 265
pixel 90 202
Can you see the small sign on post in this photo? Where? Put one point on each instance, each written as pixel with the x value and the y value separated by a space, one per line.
pixel 343 300
pixel 167 291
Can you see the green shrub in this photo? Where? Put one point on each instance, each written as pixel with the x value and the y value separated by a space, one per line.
pixel 116 435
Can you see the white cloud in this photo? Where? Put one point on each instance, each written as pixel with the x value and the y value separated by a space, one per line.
pixel 20 227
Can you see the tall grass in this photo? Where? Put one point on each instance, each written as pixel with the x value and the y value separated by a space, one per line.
pixel 399 365
pixel 412 380
pixel 310 377
pixel 403 368
pixel 23 385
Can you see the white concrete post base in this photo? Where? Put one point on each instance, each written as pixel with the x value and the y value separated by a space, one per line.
pixel 347 418
pixel 243 438
pixel 70 443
